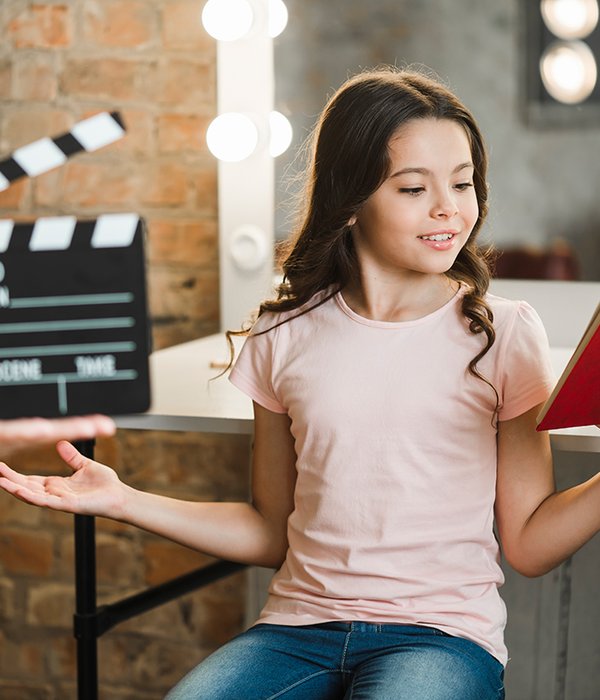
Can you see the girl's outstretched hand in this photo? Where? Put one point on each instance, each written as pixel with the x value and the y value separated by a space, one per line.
pixel 92 489
pixel 23 433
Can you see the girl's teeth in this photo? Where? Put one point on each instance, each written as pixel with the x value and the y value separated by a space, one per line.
pixel 438 237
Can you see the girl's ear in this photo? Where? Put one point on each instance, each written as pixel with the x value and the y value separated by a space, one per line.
pixel 352 220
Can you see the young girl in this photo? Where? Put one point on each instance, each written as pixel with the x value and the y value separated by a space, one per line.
pixel 395 403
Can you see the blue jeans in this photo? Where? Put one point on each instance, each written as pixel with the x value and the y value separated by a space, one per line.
pixel 345 661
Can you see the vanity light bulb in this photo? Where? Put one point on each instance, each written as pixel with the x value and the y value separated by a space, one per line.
pixel 278 17
pixel 232 137
pixel 570 19
pixel 227 20
pixel 569 71
pixel 280 134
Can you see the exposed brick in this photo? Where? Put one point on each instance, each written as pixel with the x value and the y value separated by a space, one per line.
pixel 5 79
pixel 41 26
pixel 112 692
pixel 208 616
pixel 21 126
pixel 184 242
pixel 189 464
pixel 183 293
pixel 47 189
pixel 182 133
pixel 164 185
pixel 7 599
pixel 124 23
pixel 165 560
pixel 24 552
pixel 140 137
pixel 61 656
pixel 118 559
pixel 21 657
pixel 221 613
pixel 205 190
pixel 34 77
pixel 15 512
pixel 108 79
pixel 187 84
pixel 51 605
pixel 182 27
pixel 25 690
pixel 172 332
pixel 140 662
pixel 15 196
pixel 90 184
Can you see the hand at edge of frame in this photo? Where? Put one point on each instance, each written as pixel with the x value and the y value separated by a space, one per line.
pixel 23 433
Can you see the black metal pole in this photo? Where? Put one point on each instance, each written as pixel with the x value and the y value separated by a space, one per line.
pixel 85 597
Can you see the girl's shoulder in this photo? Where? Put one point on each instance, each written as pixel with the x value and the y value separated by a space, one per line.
pixel 512 314
pixel 275 319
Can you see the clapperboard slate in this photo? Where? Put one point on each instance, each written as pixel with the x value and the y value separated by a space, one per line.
pixel 74 335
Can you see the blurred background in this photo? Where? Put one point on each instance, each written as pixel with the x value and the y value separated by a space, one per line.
pixel 544 165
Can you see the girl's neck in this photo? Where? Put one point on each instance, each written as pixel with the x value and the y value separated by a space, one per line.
pixel 372 299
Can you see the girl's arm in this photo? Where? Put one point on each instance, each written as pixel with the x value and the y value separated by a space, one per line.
pixel 539 527
pixel 252 533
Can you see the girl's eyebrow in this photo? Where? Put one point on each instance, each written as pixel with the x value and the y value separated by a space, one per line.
pixel 425 171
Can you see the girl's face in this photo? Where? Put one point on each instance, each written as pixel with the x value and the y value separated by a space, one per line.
pixel 423 213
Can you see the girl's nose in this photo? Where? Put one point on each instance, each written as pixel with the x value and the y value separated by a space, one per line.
pixel 445 207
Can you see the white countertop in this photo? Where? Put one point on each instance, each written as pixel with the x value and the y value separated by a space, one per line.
pixel 185 398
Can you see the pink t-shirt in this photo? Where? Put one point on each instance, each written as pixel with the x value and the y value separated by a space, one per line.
pixel 396 460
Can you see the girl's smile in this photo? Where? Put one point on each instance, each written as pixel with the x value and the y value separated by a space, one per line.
pixel 440 240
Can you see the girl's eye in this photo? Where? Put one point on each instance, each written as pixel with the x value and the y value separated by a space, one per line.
pixel 412 190
pixel 462 186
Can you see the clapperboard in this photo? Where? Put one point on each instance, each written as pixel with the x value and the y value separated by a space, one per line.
pixel 74 331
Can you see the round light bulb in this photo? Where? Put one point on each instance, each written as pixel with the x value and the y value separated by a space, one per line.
pixel 227 20
pixel 232 137
pixel 570 19
pixel 278 17
pixel 280 134
pixel 569 71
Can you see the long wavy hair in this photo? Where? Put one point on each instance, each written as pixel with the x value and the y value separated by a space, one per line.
pixel 348 160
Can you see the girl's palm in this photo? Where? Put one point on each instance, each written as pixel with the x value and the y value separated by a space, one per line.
pixel 92 489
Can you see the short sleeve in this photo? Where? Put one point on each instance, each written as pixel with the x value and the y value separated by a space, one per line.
pixel 253 370
pixel 527 376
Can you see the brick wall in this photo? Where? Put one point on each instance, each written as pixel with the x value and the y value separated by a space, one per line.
pixel 150 59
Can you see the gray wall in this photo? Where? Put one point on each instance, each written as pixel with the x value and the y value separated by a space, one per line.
pixel 545 183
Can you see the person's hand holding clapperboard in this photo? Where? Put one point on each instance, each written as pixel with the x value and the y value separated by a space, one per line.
pixel 74 339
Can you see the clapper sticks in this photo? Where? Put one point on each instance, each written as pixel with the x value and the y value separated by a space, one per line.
pixel 74 334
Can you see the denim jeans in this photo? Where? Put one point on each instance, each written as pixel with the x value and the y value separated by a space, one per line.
pixel 345 661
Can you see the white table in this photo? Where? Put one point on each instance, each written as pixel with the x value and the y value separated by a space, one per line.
pixel 185 398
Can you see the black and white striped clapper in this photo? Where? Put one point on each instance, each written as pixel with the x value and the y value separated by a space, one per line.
pixel 48 153
pixel 74 335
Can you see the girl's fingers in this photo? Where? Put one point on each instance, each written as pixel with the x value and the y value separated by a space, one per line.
pixel 11 475
pixel 39 498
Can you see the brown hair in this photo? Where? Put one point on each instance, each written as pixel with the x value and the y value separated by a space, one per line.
pixel 348 161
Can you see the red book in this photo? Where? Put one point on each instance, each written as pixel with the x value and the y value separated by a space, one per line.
pixel 575 400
